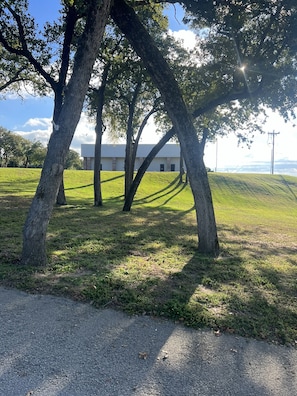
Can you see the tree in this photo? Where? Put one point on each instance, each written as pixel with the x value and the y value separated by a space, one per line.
pixel 215 112
pixel 19 152
pixel 34 154
pixel 96 99
pixel 247 85
pixel 138 101
pixel 252 45
pixel 37 62
pixel 269 77
pixel 134 98
pixel 125 93
pixel 73 160
pixel 125 17
pixel 10 148
pixel 64 121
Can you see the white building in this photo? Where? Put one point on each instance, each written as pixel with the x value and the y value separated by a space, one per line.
pixel 113 157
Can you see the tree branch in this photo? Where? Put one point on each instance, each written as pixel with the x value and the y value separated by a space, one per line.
pixel 24 51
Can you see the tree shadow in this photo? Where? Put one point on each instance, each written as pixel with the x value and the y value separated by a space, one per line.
pixel 113 178
pixel 92 184
pixel 118 259
pixel 172 186
pixel 79 187
pixel 179 190
pixel 66 347
pixel 287 184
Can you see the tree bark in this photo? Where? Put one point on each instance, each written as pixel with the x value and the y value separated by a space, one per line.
pixel 35 228
pixel 61 197
pixel 98 201
pixel 71 19
pixel 129 164
pixel 126 19
pixel 143 168
pixel 181 167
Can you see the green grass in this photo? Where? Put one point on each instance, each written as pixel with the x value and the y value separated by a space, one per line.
pixel 146 261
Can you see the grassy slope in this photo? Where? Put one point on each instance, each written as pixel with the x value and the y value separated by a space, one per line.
pixel 146 261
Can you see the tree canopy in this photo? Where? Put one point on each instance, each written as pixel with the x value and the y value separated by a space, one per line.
pixel 16 151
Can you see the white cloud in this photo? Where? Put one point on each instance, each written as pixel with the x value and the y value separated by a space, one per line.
pixel 188 37
pixel 85 133
pixel 25 91
pixel 40 135
pixel 41 128
pixel 35 122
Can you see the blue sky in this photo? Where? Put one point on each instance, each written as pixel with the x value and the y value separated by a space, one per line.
pixel 31 117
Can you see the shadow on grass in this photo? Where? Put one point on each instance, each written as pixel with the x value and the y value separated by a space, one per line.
pixel 79 187
pixel 174 186
pixel 146 262
pixel 287 184
pixel 91 184
pixel 113 178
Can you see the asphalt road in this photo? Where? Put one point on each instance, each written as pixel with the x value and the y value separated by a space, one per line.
pixel 52 346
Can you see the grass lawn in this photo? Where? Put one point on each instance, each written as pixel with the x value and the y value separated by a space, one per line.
pixel 145 262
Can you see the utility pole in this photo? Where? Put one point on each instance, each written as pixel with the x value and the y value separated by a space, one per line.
pixel 273 134
pixel 217 151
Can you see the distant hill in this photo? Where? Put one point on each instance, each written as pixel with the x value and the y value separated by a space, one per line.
pixel 284 167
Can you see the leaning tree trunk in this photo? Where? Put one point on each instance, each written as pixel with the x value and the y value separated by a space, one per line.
pixel 143 168
pixel 126 19
pixel 34 233
pixel 128 162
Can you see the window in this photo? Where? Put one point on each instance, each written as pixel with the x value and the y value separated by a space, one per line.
pixel 172 167
pixel 162 167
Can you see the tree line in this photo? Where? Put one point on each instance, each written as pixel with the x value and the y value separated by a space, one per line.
pixel 16 151
pixel 120 57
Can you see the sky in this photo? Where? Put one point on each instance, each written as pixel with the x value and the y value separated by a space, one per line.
pixel 31 117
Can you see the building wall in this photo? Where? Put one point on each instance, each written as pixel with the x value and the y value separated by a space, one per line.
pixel 113 158
pixel 112 164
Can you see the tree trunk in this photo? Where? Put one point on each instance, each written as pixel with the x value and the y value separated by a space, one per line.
pixel 100 94
pixel 126 19
pixel 61 197
pixel 34 233
pixel 181 167
pixel 71 19
pixel 129 162
pixel 97 163
pixel 143 168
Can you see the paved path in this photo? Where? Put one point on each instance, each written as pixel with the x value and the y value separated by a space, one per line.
pixel 52 346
